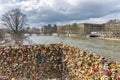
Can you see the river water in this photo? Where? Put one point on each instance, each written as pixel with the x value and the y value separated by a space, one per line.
pixel 106 48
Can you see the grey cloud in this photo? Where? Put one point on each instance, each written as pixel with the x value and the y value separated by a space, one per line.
pixel 64 12
pixel 80 12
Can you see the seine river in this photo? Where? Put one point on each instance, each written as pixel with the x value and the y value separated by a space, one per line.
pixel 106 48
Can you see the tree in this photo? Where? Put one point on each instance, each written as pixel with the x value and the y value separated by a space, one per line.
pixel 1 35
pixel 15 22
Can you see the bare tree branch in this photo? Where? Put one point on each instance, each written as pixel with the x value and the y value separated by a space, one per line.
pixel 15 22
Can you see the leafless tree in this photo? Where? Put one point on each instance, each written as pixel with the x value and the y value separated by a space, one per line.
pixel 15 22
pixel 1 35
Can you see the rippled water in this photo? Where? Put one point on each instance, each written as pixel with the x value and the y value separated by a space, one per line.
pixel 106 48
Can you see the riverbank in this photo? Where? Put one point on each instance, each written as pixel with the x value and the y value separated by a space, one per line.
pixel 36 62
pixel 111 39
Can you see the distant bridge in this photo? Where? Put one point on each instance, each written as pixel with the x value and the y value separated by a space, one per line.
pixel 94 34
pixel 31 33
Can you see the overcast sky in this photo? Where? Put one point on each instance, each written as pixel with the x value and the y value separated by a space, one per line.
pixel 41 12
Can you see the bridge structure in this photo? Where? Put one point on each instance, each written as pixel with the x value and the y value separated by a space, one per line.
pixel 31 33
pixel 94 34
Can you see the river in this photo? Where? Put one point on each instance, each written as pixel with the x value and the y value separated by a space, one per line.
pixel 106 48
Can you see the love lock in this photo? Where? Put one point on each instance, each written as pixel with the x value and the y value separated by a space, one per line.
pixel 42 59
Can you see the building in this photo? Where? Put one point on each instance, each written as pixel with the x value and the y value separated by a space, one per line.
pixel 79 30
pixel 49 29
pixel 112 29
pixel 34 30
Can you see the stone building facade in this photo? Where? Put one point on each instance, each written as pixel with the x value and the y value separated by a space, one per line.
pixel 33 30
pixel 79 30
pixel 112 29
pixel 49 29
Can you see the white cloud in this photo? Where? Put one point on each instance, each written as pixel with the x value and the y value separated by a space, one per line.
pixel 64 11
pixel 28 5
pixel 74 2
pixel 101 20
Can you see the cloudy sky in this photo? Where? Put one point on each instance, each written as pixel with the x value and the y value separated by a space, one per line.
pixel 41 12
